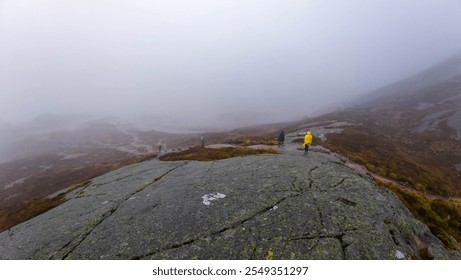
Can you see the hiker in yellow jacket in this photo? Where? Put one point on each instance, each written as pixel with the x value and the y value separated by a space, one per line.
pixel 307 141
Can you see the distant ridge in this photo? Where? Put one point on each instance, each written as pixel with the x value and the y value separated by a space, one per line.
pixel 440 72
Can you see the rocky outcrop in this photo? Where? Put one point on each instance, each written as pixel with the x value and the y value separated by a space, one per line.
pixel 287 206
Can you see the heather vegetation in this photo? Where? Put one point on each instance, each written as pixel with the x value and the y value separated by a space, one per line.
pixel 210 154
pixel 35 197
pixel 442 216
pixel 429 183
pixel 256 140
pixel 11 216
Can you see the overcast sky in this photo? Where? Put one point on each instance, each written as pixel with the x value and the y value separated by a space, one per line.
pixel 204 59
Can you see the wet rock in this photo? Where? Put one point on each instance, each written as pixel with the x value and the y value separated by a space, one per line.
pixel 287 206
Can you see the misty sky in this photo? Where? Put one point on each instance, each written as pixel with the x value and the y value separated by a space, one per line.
pixel 204 59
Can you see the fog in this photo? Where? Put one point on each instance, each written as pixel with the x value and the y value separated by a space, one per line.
pixel 210 61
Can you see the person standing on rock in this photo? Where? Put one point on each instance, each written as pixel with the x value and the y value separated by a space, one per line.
pixel 307 141
pixel 202 139
pixel 159 145
pixel 281 138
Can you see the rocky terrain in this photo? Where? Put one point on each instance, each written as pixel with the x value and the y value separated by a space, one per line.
pixel 284 206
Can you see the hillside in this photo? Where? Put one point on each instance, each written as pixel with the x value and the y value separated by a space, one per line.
pixel 410 135
pixel 285 206
pixel 438 73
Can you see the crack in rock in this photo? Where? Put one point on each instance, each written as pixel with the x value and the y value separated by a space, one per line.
pixel 312 170
pixel 131 175
pixel 78 196
pixel 320 235
pixel 322 225
pixel 340 163
pixel 84 236
pixel 253 252
pixel 109 213
pixel 394 238
pixel 296 188
pixel 212 234
pixel 338 236
pixel 346 201
pixel 205 176
pixel 343 245
pixel 82 188
pixel 153 182
pixel 341 182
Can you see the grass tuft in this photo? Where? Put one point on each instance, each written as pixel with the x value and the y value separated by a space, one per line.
pixel 253 140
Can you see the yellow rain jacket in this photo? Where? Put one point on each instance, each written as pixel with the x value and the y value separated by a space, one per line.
pixel 308 138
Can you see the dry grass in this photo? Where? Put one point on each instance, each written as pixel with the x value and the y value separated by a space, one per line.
pixel 27 210
pixel 442 216
pixel 259 135
pixel 424 173
pixel 207 154
pixel 138 159
pixel 37 202
pixel 390 158
pixel 253 140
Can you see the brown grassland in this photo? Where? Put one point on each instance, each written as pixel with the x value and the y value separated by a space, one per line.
pixel 427 183
pixel 210 154
pixel 36 198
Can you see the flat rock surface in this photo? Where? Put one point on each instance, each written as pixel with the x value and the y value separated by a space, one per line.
pixel 286 206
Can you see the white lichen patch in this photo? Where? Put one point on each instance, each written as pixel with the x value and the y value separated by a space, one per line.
pixel 399 255
pixel 212 196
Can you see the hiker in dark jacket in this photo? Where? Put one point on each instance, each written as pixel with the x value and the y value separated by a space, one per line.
pixel 281 138
pixel 159 145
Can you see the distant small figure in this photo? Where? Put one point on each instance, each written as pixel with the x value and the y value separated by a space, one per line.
pixel 281 138
pixel 202 139
pixel 159 145
pixel 164 148
pixel 307 141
